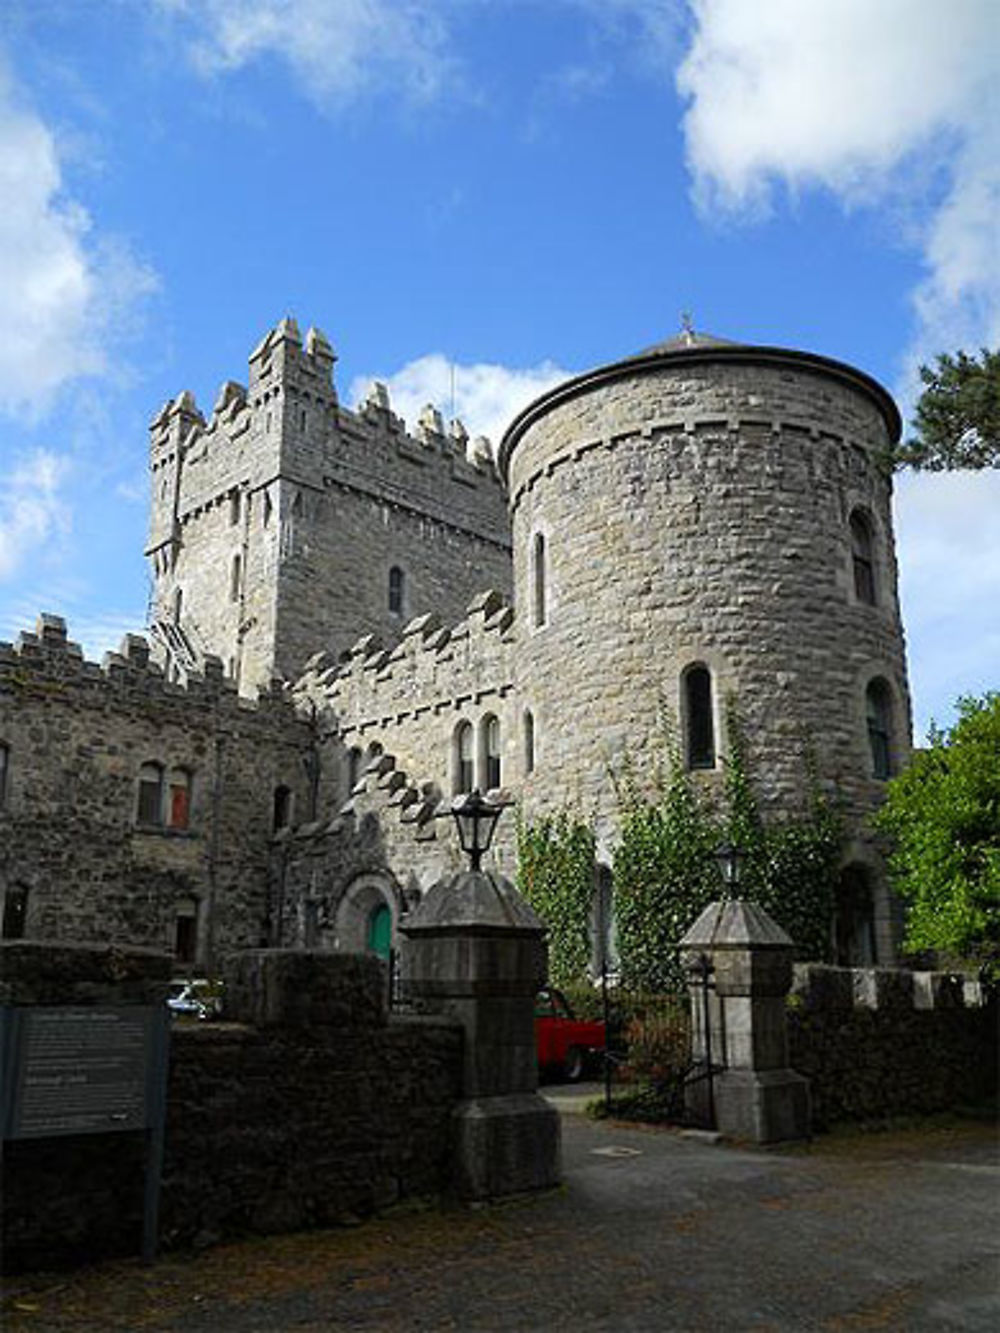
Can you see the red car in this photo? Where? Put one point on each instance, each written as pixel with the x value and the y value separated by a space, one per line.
pixel 565 1045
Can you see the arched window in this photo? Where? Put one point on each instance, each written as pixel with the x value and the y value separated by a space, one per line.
pixel 179 798
pixel 186 930
pixel 538 579
pixel 149 804
pixel 529 741
pixel 234 579
pixel 854 923
pixel 282 809
pixel 699 726
pixel 862 554
pixel 353 767
pixel 490 732
pixel 878 711
pixel 15 912
pixel 464 778
pixel 396 588
pixel 234 507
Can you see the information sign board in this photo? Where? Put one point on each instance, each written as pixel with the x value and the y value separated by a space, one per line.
pixel 87 1070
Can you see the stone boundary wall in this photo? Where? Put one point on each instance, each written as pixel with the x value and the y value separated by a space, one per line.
pixel 880 1042
pixel 315 1109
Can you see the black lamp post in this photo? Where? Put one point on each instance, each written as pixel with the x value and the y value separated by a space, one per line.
pixel 476 819
pixel 730 859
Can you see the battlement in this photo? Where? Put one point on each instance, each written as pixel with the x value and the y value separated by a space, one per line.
pixel 818 986
pixel 288 422
pixel 430 668
pixel 280 353
pixel 47 663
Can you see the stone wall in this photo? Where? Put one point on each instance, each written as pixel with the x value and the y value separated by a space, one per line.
pixel 278 519
pixel 695 508
pixel 77 738
pixel 700 514
pixel 876 1042
pixel 316 1110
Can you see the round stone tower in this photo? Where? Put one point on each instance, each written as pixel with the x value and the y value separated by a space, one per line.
pixel 702 522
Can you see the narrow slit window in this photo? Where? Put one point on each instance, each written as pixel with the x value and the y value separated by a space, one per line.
pixel 15 912
pixel 463 758
pixel 529 741
pixel 396 589
pixel 186 931
pixel 234 507
pixel 179 799
pixel 234 580
pixel 862 556
pixel 878 707
pixel 282 813
pixel 699 724
pixel 149 806
pixel 538 579
pixel 491 752
pixel 4 770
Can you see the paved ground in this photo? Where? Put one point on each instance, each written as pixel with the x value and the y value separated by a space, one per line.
pixel 651 1231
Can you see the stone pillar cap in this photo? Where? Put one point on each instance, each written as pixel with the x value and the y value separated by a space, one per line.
pixel 477 901
pixel 735 924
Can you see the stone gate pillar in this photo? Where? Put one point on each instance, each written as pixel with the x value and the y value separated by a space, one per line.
pixel 475 950
pixel 757 1096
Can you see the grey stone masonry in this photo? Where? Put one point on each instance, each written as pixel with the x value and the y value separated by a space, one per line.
pixel 695 509
pixel 757 1095
pixel 277 521
pixel 96 860
pixel 475 951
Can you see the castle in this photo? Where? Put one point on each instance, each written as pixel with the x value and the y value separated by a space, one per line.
pixel 351 623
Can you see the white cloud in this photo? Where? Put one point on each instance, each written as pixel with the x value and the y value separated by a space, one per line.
pixel 33 511
pixel 893 103
pixel 487 397
pixel 63 291
pixel 338 49
pixel 949 553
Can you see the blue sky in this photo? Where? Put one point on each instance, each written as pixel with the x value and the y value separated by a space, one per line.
pixel 517 188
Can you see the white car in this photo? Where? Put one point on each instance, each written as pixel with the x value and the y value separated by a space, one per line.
pixel 194 998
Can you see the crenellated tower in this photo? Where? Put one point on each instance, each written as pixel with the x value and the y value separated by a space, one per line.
pixel 285 523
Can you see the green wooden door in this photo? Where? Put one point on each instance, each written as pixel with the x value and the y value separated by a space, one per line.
pixel 380 931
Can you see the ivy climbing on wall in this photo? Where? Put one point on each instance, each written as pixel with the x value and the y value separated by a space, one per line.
pixel 665 872
pixel 664 876
pixel 792 868
pixel 555 858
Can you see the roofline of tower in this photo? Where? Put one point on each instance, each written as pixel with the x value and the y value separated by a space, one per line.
pixel 739 353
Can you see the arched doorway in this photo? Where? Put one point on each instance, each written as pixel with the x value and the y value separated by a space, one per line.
pixel 366 917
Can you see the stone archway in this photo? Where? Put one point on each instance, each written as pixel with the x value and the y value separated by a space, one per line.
pixel 368 915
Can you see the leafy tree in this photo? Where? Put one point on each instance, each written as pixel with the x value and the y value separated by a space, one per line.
pixel 943 814
pixel 957 421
